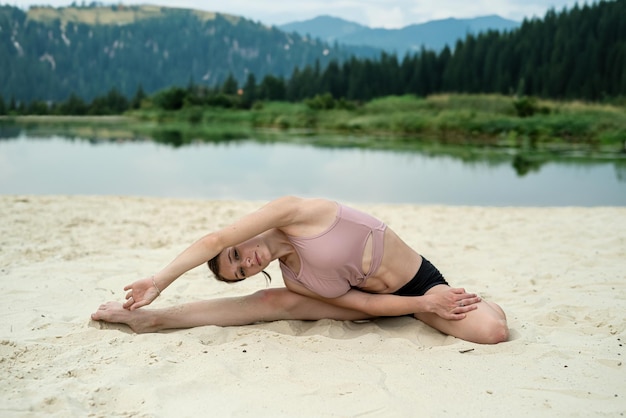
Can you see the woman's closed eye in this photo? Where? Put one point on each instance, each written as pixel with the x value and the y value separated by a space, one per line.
pixel 242 273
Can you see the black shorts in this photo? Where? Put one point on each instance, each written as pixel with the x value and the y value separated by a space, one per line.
pixel 426 277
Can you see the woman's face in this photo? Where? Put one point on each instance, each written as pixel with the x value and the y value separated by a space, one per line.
pixel 244 260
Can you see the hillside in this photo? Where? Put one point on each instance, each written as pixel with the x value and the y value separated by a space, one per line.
pixel 114 15
pixel 434 35
pixel 48 53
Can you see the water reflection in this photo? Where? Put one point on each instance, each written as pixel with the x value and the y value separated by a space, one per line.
pixel 9 131
pixel 523 165
pixel 266 169
pixel 170 137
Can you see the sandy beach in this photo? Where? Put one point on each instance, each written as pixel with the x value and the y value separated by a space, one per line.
pixel 559 273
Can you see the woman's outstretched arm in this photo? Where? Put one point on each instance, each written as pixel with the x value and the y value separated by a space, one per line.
pixel 275 214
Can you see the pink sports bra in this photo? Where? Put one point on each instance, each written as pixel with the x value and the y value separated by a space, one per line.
pixel 330 262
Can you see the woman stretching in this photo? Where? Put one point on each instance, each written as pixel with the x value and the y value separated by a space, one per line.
pixel 337 263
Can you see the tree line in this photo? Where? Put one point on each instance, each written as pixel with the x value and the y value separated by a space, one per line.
pixel 578 53
pixel 46 53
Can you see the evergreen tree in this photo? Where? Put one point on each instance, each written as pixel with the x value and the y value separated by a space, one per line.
pixel 230 85
pixel 12 105
pixel 272 88
pixel 358 83
pixel 408 75
pixel 116 101
pixel 21 109
pixel 293 88
pixel 37 107
pixel 171 99
pixel 139 96
pixel 332 81
pixel 74 105
pixel 249 95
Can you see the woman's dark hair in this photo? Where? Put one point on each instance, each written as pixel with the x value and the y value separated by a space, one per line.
pixel 215 268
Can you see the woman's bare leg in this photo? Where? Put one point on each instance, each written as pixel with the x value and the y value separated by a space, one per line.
pixel 262 306
pixel 485 325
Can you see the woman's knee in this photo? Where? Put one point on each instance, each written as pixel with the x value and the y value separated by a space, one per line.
pixel 499 311
pixel 487 325
pixel 496 331
pixel 493 328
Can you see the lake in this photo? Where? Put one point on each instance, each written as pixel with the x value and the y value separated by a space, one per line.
pixel 260 171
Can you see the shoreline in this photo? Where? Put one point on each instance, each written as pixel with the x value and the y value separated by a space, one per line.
pixel 52 119
pixel 558 272
pixel 531 140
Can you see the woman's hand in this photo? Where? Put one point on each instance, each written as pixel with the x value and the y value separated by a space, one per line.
pixel 452 303
pixel 140 293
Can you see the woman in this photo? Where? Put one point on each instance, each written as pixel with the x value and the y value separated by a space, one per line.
pixel 337 263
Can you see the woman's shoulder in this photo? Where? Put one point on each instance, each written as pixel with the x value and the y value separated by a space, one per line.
pixel 308 214
pixel 305 205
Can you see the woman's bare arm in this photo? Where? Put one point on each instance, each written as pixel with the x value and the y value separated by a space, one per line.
pixel 444 304
pixel 275 214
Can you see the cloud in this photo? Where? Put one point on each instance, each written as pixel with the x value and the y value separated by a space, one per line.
pixel 386 18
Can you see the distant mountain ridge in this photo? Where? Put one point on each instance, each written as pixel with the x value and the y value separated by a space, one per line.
pixel 47 53
pixel 433 35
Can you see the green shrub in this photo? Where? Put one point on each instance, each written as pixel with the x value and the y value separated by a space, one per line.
pixel 528 106
pixel 195 116
pixel 321 102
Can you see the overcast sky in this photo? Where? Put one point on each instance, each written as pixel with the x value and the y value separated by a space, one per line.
pixel 373 13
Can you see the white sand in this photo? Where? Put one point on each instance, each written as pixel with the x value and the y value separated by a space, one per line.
pixel 559 273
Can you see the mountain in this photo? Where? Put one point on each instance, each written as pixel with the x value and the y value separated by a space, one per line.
pixel 49 53
pixel 327 28
pixel 433 35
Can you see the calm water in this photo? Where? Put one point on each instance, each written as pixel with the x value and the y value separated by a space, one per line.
pixel 255 171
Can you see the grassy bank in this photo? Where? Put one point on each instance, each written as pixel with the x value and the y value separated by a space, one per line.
pixel 459 119
pixel 526 126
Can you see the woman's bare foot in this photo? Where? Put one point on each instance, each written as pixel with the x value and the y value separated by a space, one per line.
pixel 113 312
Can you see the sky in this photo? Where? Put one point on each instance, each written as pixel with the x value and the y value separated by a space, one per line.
pixel 389 14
